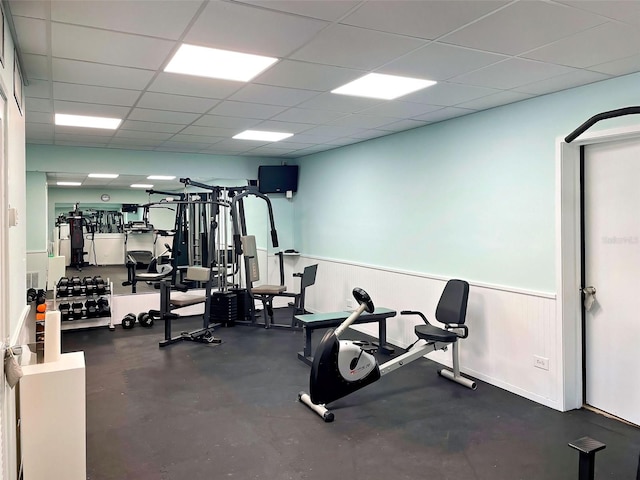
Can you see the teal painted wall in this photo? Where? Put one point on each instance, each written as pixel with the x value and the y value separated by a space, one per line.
pixel 472 197
pixel 36 218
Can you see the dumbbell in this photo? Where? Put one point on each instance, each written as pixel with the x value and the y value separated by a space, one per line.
pixel 65 310
pixel 63 287
pixel 41 309
pixel 128 321
pixel 89 285
pixel 75 281
pixel 77 310
pixel 103 307
pixel 100 284
pixel 41 297
pixel 92 308
pixel 145 319
pixel 31 295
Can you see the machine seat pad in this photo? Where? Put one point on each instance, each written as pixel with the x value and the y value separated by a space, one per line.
pixel 150 277
pixel 180 299
pixel 268 289
pixel 435 334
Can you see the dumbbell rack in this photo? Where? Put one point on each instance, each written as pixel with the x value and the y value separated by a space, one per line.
pixel 81 296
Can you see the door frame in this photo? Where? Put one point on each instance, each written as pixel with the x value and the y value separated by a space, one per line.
pixel 569 259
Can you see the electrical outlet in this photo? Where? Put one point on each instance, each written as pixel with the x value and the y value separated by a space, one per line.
pixel 350 305
pixel 541 362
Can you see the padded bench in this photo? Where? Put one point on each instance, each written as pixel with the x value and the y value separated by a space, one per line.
pixel 314 321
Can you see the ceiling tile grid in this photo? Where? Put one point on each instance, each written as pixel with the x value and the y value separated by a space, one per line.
pixel 106 58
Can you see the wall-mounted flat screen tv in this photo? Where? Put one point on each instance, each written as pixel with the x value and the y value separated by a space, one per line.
pixel 277 178
pixel 129 208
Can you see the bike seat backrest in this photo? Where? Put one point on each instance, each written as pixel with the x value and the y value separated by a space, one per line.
pixel 308 276
pixel 452 307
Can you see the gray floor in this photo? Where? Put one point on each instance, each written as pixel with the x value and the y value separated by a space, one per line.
pixel 194 411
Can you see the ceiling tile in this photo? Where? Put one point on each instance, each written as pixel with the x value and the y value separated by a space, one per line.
pixel 39 130
pixel 226 122
pixel 177 103
pixel 305 115
pixel 234 146
pixel 78 108
pixel 68 133
pixel 444 114
pixel 91 94
pixel 623 10
pixel 437 61
pixel 36 65
pixel 194 86
pixel 352 47
pixel 32 35
pixel 607 42
pixel 159 18
pixel 419 19
pixel 400 109
pixel 185 138
pixel 163 116
pixel 34 8
pixel 147 142
pixel 269 95
pixel 362 121
pixel 151 126
pixel 523 26
pixel 108 47
pixel 210 131
pixel 39 105
pixel 447 94
pixel 404 125
pixel 308 76
pixel 512 73
pixel 562 82
pixel 495 100
pixel 121 133
pixel 183 147
pixel 37 89
pixel 39 117
pixel 243 109
pixel 74 71
pixel 340 103
pixel 284 127
pixel 623 66
pixel 245 28
pixel 320 9
pixel 331 131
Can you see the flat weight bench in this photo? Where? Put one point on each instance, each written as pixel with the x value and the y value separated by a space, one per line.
pixel 314 321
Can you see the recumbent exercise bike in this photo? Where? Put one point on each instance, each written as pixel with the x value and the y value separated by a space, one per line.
pixel 341 367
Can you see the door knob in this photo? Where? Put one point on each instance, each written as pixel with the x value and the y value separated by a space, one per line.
pixel 589 297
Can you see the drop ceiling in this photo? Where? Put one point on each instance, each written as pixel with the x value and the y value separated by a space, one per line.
pixel 106 58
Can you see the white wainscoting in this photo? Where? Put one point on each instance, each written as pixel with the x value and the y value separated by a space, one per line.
pixel 507 327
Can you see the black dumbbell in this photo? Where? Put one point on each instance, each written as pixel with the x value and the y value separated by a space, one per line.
pixel 41 297
pixel 63 287
pixel 92 308
pixel 77 310
pixel 89 285
pixel 65 311
pixel 75 281
pixel 31 295
pixel 103 307
pixel 145 319
pixel 101 286
pixel 128 321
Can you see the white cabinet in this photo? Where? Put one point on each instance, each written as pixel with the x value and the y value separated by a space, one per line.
pixel 53 419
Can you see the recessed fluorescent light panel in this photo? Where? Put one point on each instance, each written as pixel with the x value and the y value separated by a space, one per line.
pixel 69 184
pixel 103 175
pixel 386 87
pixel 161 177
pixel 214 63
pixel 141 185
pixel 261 135
pixel 87 122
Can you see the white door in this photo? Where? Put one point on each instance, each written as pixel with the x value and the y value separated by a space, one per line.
pixel 612 267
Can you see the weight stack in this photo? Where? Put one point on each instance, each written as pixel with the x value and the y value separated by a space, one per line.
pixel 244 301
pixel 224 308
